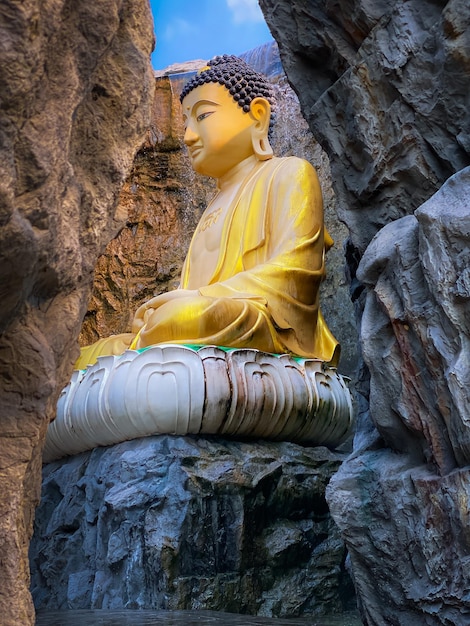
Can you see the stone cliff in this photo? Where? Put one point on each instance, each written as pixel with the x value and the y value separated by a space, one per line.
pixel 385 88
pixel 76 88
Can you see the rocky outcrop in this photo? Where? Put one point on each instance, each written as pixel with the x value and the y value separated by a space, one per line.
pixel 416 330
pixel 75 100
pixel 406 529
pixel 384 87
pixel 408 533
pixel 190 523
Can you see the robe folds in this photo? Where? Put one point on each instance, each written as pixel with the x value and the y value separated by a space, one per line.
pixel 263 290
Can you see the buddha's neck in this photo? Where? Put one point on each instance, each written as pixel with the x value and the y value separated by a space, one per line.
pixel 237 174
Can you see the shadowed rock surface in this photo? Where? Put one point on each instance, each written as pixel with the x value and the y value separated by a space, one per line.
pixel 385 88
pixel 408 532
pixel 74 106
pixel 183 523
pixel 416 329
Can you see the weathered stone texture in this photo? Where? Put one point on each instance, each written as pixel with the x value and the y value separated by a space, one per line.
pixel 74 106
pixel 190 523
pixel 385 88
pixel 408 528
pixel 407 534
pixel 415 327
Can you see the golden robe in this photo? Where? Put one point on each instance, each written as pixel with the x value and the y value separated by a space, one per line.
pixel 264 288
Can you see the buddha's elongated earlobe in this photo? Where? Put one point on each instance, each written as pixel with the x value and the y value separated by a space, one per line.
pixel 260 110
pixel 262 147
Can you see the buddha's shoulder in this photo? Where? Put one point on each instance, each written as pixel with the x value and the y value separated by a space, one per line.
pixel 290 165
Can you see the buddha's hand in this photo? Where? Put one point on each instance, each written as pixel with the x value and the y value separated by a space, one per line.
pixel 145 310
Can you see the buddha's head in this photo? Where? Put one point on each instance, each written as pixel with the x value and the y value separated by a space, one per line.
pixel 227 115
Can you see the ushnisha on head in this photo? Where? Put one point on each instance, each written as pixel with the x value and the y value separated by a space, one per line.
pixel 231 85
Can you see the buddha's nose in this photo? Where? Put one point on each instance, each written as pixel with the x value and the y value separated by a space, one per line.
pixel 190 136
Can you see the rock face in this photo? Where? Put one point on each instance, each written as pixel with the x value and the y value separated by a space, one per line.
pixel 416 329
pixel 384 87
pixel 408 532
pixel 75 101
pixel 190 523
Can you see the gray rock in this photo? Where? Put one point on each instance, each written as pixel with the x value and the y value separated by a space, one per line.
pixel 415 328
pixel 407 527
pixel 190 523
pixel 385 89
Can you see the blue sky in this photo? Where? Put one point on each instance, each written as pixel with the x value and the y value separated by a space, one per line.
pixel 199 29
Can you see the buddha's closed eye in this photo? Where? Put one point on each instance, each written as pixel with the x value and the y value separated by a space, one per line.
pixel 203 116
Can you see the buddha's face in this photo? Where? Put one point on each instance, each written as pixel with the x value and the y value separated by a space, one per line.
pixel 218 132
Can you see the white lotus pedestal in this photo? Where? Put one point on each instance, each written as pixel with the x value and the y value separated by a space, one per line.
pixel 180 390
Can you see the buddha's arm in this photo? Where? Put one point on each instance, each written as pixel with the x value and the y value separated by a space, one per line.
pixel 145 310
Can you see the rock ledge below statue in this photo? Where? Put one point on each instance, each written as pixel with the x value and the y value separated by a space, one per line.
pixel 181 523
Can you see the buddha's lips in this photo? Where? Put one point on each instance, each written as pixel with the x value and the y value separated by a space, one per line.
pixel 195 150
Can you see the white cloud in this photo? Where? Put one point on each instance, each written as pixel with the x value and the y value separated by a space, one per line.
pixel 245 11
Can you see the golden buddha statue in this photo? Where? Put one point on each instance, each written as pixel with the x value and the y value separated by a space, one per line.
pixel 246 309
pixel 252 274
